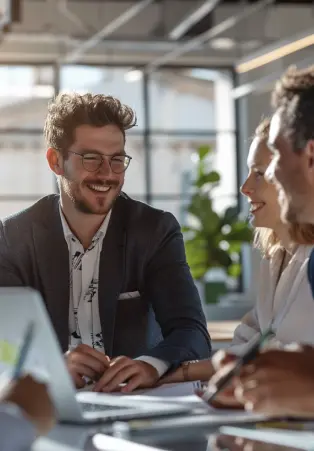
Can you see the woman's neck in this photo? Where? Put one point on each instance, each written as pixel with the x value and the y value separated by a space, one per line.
pixel 284 238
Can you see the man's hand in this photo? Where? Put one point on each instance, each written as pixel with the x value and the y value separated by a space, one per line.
pixel 134 373
pixel 279 383
pixel 33 399
pixel 86 361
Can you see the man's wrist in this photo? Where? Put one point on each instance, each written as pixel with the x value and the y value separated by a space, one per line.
pixel 185 369
pixel 161 366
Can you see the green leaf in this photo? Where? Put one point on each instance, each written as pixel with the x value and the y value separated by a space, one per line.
pixel 230 215
pixel 211 177
pixel 196 254
pixel 240 232
pixel 221 258
pixel 203 151
pixel 235 247
pixel 186 229
pixel 234 270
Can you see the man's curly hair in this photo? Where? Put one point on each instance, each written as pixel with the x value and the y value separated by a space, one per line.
pixel 293 95
pixel 68 111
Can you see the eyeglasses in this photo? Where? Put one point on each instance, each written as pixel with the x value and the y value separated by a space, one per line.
pixel 93 161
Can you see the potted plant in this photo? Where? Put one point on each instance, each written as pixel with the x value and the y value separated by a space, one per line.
pixel 213 240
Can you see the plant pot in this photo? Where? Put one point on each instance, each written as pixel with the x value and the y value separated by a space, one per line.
pixel 213 291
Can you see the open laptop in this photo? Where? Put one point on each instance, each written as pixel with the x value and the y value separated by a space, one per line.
pixel 19 306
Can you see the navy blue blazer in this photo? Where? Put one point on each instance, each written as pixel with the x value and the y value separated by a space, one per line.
pixel 142 251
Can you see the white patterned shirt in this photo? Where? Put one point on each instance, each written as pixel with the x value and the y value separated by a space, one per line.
pixel 84 320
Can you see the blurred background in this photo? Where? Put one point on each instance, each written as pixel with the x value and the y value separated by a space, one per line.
pixel 198 74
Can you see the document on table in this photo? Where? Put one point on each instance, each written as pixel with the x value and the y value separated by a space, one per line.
pixel 284 437
pixel 179 393
pixel 183 392
pixel 169 390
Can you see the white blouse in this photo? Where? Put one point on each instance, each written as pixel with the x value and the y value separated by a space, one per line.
pixel 289 307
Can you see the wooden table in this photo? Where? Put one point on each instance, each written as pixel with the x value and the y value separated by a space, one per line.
pixel 221 332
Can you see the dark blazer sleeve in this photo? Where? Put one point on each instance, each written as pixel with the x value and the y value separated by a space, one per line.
pixel 9 272
pixel 169 286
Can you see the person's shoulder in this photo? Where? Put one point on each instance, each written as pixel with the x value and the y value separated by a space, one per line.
pixel 38 212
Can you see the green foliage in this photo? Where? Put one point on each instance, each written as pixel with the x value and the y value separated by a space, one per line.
pixel 215 240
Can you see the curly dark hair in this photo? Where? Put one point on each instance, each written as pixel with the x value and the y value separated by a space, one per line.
pixel 68 111
pixel 293 95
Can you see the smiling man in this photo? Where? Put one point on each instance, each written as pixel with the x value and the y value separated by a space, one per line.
pixel 112 271
pixel 291 139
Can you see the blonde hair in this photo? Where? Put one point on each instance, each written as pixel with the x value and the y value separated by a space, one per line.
pixel 266 239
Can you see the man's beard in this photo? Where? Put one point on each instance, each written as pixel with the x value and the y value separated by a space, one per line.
pixel 72 189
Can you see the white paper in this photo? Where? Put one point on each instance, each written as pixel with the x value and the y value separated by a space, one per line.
pixel 172 392
pixel 167 390
pixel 105 442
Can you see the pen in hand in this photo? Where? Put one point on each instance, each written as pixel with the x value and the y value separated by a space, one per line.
pixel 210 393
pixel 26 345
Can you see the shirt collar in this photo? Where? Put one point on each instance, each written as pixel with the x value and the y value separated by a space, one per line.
pixel 69 234
pixel 303 252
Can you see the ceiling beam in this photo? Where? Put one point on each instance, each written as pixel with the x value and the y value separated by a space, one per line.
pixel 196 42
pixel 107 30
pixel 193 18
pixel 258 86
pixel 275 51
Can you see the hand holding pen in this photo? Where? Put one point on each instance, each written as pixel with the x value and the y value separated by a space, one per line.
pixel 221 386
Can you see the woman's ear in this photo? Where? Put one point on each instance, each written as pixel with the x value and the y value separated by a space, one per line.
pixel 55 161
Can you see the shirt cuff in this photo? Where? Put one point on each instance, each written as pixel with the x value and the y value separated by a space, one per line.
pixel 160 365
pixel 16 431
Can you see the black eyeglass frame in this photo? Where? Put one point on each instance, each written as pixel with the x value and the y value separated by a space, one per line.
pixel 102 158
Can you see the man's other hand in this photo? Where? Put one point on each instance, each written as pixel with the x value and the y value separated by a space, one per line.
pixel 123 370
pixel 86 361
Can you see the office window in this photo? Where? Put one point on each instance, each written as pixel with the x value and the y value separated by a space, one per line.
pixel 189 108
pixel 24 95
pixel 24 173
pixel 105 80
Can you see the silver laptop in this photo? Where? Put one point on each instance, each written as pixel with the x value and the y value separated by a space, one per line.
pixel 19 306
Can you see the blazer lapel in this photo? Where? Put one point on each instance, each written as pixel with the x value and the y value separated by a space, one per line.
pixel 111 272
pixel 53 265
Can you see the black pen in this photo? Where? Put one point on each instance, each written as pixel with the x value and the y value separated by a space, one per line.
pixel 212 391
